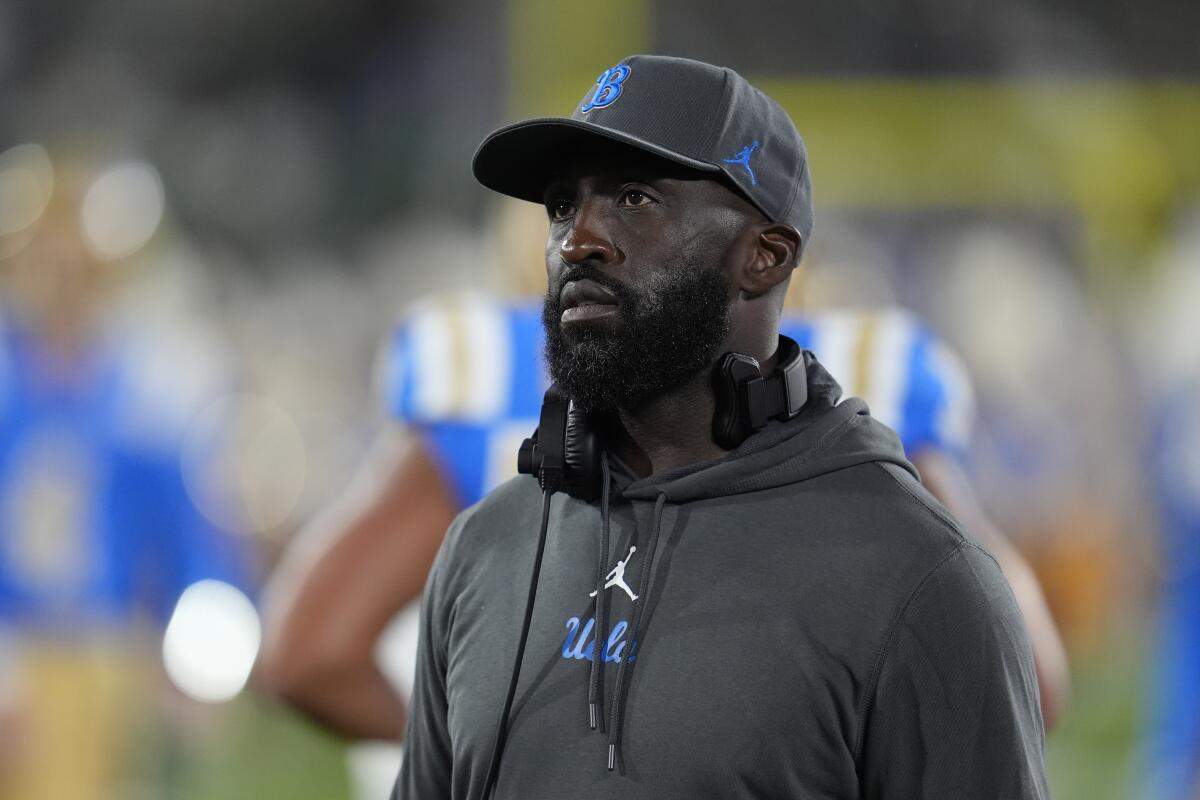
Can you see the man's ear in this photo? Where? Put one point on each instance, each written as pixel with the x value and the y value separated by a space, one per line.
pixel 775 252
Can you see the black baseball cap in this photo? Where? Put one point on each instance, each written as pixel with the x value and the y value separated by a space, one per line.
pixel 702 116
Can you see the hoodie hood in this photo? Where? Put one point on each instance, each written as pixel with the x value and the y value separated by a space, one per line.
pixel 824 437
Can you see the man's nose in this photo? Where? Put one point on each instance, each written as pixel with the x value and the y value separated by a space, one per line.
pixel 587 242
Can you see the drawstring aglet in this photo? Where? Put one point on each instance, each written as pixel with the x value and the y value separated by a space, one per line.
pixel 592 715
pixel 612 756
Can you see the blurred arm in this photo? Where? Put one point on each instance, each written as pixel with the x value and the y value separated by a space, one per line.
pixel 340 585
pixel 945 479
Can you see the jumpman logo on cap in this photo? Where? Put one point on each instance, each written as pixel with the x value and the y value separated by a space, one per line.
pixel 743 158
pixel 617 576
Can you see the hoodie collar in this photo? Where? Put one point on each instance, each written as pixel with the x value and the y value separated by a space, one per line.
pixel 826 436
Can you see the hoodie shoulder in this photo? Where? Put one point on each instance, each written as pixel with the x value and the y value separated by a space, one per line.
pixel 508 512
pixel 878 518
pixel 940 517
pixel 920 520
pixel 488 538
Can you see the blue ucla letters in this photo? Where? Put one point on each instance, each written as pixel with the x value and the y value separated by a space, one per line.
pixel 576 645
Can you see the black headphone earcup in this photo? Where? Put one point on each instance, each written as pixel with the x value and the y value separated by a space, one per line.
pixel 581 456
pixel 730 425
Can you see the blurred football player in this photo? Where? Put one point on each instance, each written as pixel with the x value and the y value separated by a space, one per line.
pixel 1168 334
pixel 98 536
pixel 1173 742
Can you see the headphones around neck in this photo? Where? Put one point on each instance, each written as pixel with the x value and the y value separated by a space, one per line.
pixel 564 452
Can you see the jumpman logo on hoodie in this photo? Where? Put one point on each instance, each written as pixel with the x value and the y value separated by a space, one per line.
pixel 617 576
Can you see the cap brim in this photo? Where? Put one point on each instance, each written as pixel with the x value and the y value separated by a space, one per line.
pixel 519 160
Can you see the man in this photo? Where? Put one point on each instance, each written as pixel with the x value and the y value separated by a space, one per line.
pixel 333 647
pixel 809 621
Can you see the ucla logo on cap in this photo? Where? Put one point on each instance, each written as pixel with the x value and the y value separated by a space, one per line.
pixel 609 86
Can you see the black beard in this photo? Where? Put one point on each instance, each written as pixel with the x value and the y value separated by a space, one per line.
pixel 667 333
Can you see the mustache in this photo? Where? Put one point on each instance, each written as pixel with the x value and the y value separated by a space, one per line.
pixel 576 273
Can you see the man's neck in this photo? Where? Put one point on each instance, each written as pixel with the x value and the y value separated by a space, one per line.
pixel 675 428
pixel 672 430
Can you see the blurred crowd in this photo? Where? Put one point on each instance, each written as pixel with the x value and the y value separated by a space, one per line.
pixel 201 263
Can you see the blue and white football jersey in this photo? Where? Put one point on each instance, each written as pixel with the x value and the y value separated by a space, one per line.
pixel 96 526
pixel 912 381
pixel 468 373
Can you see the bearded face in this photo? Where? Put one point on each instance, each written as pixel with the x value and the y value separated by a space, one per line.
pixel 662 332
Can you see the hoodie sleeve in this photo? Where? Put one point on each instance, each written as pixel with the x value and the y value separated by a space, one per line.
pixel 954 712
pixel 425 771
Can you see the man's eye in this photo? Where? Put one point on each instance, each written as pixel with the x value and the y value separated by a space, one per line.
pixel 560 209
pixel 635 198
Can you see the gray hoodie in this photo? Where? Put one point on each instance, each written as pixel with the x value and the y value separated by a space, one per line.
pixel 796 619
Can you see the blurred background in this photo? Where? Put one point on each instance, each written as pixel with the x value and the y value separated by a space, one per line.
pixel 212 214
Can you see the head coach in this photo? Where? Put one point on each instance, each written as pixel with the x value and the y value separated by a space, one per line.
pixel 723 583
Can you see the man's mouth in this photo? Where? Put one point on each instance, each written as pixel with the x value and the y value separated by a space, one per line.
pixel 585 300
